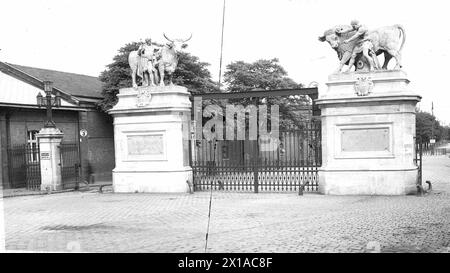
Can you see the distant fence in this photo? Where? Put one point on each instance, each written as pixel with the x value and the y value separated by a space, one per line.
pixel 431 149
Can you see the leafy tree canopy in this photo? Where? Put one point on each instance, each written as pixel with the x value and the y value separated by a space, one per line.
pixel 427 127
pixel 262 74
pixel 267 75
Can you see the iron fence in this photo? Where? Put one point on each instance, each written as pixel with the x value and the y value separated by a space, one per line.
pixel 70 165
pixel 287 163
pixel 436 151
pixel 24 166
pixel 432 149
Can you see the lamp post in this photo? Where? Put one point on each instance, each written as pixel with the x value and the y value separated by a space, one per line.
pixel 49 139
pixel 49 102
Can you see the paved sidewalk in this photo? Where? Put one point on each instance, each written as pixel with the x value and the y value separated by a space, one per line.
pixel 436 169
pixel 26 192
pixel 265 222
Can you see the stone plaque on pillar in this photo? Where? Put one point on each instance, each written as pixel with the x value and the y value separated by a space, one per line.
pixel 145 145
pixel 368 140
pixel 365 140
pixel 139 145
pixel 46 156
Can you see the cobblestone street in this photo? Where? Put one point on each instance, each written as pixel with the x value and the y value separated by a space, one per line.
pixel 240 222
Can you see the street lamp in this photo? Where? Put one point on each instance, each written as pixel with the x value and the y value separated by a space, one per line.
pixel 49 102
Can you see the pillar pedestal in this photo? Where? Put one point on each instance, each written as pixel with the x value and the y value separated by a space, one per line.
pixel 368 130
pixel 50 156
pixel 151 136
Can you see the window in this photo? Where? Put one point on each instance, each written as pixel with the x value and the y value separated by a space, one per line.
pixel 32 146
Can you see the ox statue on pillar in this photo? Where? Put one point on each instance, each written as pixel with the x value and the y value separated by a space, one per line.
pixel 355 44
pixel 368 115
pixel 152 60
pixel 151 124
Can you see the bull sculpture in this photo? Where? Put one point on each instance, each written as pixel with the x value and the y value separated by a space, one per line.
pixel 168 58
pixel 152 60
pixel 387 40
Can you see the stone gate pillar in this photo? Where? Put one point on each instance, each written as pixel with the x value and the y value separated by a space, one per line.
pixel 368 130
pixel 50 156
pixel 151 138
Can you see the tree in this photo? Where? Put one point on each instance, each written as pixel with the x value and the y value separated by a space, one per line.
pixel 190 73
pixel 262 75
pixel 117 75
pixel 194 75
pixel 446 133
pixel 266 75
pixel 427 127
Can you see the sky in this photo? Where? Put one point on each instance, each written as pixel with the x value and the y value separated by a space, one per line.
pixel 83 36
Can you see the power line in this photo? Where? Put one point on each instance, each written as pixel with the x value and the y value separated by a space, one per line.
pixel 432 121
pixel 432 109
pixel 221 45
pixel 215 142
pixel 210 202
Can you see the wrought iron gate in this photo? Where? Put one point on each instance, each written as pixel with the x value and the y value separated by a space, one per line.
pixel 24 166
pixel 288 164
pixel 70 165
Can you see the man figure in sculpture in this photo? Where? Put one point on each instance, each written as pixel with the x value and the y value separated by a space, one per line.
pixel 363 45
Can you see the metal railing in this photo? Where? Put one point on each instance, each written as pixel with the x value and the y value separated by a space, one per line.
pixel 70 165
pixel 24 166
pixel 241 165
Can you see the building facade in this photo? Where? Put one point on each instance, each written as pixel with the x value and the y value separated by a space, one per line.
pixel 88 130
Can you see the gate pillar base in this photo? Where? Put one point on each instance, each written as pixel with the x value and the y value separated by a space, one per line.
pixel 151 135
pixel 49 140
pixel 368 130
pixel 151 181
pixel 370 182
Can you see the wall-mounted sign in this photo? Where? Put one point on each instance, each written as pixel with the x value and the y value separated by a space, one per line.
pixel 83 133
pixel 139 145
pixel 365 139
pixel 45 156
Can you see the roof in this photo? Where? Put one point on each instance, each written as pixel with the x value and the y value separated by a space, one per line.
pixel 74 84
